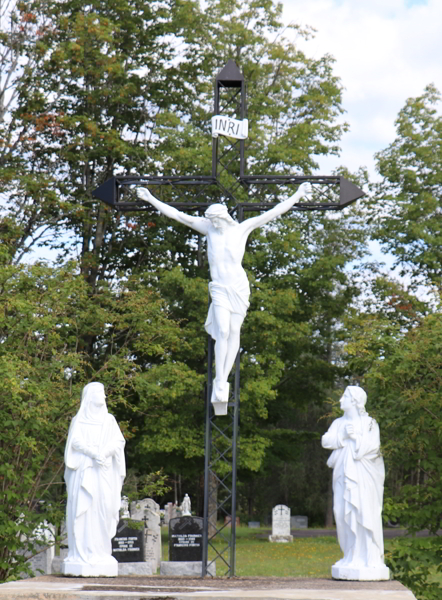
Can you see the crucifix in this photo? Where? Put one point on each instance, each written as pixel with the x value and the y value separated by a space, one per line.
pixel 229 288
pixel 227 190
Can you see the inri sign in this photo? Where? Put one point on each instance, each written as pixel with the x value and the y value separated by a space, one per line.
pixel 230 127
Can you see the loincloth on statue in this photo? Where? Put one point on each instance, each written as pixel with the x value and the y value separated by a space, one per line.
pixel 234 299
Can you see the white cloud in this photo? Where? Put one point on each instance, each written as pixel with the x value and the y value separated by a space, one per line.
pixel 386 51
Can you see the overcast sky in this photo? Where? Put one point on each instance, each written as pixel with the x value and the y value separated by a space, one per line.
pixel 386 51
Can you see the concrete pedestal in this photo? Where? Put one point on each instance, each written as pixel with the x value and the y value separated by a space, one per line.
pixel 361 573
pixel 80 569
pixel 281 539
pixel 175 568
pixel 137 568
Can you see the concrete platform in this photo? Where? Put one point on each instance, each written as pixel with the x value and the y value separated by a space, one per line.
pixel 49 587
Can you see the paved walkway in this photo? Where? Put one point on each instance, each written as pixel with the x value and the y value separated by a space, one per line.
pixel 50 587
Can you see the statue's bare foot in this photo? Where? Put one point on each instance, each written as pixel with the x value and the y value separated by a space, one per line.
pixel 219 391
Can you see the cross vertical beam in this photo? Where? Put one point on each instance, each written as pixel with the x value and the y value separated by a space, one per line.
pixel 219 542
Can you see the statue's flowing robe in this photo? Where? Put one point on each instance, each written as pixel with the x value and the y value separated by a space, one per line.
pixel 358 486
pixel 234 298
pixel 94 491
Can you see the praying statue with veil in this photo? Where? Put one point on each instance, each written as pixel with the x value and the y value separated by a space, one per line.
pixel 94 474
pixel 229 287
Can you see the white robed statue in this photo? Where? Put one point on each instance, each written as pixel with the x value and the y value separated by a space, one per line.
pixel 186 507
pixel 229 288
pixel 94 475
pixel 358 487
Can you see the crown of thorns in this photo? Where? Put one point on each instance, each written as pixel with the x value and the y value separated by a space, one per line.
pixel 218 210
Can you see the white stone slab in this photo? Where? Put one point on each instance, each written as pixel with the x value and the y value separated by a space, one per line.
pixel 68 589
pixel 148 510
pixel 281 539
pixel 281 524
pixel 361 574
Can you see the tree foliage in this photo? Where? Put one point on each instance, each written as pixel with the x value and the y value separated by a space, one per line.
pixel 410 193
pixel 126 87
pixel 46 314
pixel 397 356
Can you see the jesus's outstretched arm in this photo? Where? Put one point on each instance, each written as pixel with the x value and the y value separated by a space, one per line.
pixel 304 191
pixel 200 224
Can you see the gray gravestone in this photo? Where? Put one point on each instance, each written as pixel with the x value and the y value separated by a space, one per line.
pixel 41 563
pixel 148 510
pixel 281 524
pixel 299 522
pixel 44 540
pixel 170 512
pixel 128 543
pixel 186 539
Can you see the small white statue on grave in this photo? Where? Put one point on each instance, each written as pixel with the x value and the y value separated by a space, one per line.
pixel 229 288
pixel 186 507
pixel 95 470
pixel 125 514
pixel 358 487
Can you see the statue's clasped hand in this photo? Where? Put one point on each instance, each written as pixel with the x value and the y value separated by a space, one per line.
pixel 350 431
pixel 100 459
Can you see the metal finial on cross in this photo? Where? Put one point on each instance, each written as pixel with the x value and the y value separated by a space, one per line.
pixel 230 184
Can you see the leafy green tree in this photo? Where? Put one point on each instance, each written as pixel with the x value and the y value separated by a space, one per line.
pixel 46 313
pixel 127 87
pixel 409 224
pixel 405 397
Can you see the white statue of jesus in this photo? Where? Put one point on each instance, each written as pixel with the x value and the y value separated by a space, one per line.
pixel 229 288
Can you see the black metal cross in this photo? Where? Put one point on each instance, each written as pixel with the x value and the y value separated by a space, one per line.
pixel 114 191
pixel 230 184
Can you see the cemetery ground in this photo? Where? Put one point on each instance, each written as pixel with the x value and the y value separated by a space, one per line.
pixel 256 556
pixel 299 570
pixel 310 555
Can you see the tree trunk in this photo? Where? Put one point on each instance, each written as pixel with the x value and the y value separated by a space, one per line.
pixel 329 511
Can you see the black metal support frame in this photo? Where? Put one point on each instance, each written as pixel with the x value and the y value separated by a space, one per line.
pixel 221 448
pixel 231 182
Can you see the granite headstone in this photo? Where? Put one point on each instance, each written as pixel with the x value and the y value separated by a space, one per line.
pixel 299 522
pixel 186 539
pixel 128 543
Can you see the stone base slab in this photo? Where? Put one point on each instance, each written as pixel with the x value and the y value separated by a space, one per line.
pixel 361 573
pixel 137 568
pixel 175 568
pixel 187 588
pixel 80 569
pixel 281 539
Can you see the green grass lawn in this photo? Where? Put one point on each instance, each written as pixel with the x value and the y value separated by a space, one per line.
pixel 256 556
pixel 304 557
